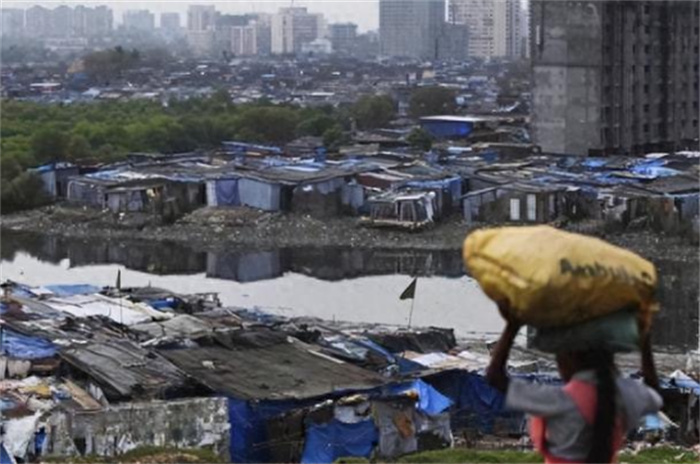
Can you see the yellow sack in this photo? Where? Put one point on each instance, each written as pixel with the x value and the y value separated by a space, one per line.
pixel 552 278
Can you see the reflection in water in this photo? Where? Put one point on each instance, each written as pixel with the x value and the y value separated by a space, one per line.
pixel 450 302
pixel 163 258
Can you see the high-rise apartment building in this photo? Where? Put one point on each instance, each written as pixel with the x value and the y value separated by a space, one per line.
pixel 170 22
pixel 293 27
pixel 410 29
pixel 201 18
pixel 453 43
pixel 342 36
pixel 61 24
pixel 66 22
pixel 494 26
pixel 244 40
pixel 139 21
pixel 201 28
pixel 614 77
pixel 12 22
pixel 263 33
pixel 234 35
pixel 38 21
pixel 101 21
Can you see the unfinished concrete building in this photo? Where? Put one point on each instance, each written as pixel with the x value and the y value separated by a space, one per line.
pixel 410 29
pixel 615 77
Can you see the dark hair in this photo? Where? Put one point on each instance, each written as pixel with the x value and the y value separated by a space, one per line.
pixel 605 415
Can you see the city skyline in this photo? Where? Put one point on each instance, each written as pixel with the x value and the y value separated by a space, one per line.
pixel 334 10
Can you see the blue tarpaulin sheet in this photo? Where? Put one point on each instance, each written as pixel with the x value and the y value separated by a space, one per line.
pixel 227 192
pixel 325 443
pixel 452 185
pixel 72 289
pixel 686 384
pixel 475 403
pixel 652 422
pixel 17 345
pixel 431 401
pixel 5 457
pixel 163 303
pixel 249 441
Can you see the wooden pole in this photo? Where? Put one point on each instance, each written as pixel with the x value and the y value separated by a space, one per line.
pixel 410 315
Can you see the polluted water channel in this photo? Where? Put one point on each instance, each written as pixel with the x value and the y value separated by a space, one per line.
pixel 332 283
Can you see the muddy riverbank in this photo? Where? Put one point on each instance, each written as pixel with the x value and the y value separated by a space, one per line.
pixel 214 229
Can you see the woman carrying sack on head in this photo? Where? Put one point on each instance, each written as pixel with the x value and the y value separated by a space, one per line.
pixel 585 421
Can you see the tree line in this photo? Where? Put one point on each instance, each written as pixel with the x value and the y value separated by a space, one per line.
pixel 32 134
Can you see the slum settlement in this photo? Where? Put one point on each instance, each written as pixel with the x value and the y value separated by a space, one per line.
pixel 386 185
pixel 92 371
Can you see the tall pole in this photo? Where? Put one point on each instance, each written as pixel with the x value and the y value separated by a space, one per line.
pixel 410 315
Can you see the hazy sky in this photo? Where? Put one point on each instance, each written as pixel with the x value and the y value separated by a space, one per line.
pixel 362 12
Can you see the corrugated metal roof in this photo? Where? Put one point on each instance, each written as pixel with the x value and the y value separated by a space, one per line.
pixel 125 368
pixel 286 369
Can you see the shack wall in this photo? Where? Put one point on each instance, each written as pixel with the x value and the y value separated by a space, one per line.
pixel 117 429
pixel 320 199
pixel 261 195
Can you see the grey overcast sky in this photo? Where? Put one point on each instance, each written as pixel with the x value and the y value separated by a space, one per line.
pixel 365 13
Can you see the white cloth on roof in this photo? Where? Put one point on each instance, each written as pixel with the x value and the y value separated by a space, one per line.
pixel 119 310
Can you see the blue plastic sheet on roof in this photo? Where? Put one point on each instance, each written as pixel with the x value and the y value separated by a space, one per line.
pixel 452 184
pixel 20 346
pixel 22 291
pixel 72 289
pixel 163 303
pixel 655 171
pixel 594 162
pixel 53 166
pixel 325 443
pixel 111 174
pixel 430 401
pixel 685 384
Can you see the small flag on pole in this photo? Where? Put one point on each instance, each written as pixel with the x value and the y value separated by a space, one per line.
pixel 119 279
pixel 410 291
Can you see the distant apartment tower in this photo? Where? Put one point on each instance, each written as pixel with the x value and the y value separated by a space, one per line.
pixel 453 43
pixel 244 40
pixel 614 77
pixel 343 36
pixel 38 21
pixel 139 21
pixel 92 22
pixel 494 26
pixel 61 24
pixel 263 33
pixel 170 22
pixel 410 29
pixel 293 27
pixel 201 28
pixel 12 22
